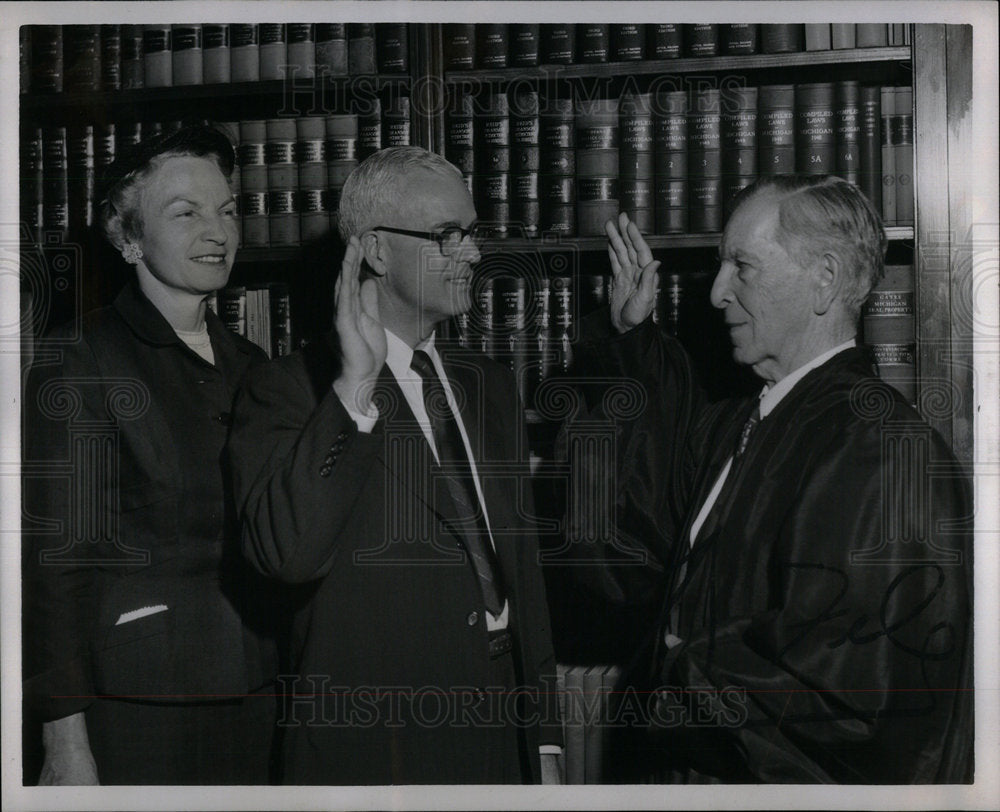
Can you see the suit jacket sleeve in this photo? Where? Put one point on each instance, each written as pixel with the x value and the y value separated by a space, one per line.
pixel 854 658
pixel 298 465
pixel 59 597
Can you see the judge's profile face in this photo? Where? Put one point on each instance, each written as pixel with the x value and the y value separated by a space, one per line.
pixel 425 278
pixel 189 224
pixel 765 294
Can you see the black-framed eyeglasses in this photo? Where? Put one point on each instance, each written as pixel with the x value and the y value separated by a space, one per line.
pixel 449 239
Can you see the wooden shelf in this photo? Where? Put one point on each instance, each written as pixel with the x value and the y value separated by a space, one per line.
pixel 290 253
pixel 36 104
pixel 685 65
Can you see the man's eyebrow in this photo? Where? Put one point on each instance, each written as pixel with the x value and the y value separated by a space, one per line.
pixel 179 199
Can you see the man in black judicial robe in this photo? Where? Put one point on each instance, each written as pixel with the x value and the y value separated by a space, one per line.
pixel 816 625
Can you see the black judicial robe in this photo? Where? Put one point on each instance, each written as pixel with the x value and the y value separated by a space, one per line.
pixel 825 606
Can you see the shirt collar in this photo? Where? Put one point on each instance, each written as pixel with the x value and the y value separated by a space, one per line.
pixel 399 354
pixel 771 396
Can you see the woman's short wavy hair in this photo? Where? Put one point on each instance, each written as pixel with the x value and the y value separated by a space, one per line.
pixel 119 208
pixel 374 187
pixel 820 214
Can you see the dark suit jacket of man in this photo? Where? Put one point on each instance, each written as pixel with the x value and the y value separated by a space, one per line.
pixel 390 630
pixel 829 592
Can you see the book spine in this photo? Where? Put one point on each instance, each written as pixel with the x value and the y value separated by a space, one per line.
pixel 842 36
pixel 557 166
pixel 597 148
pixel 628 43
pixel 396 123
pixel 369 129
pixel 47 59
pixel 253 317
pixel 701 39
pixel 82 57
pixel 575 726
pixel 776 139
pixel 540 355
pixel 870 145
pixel 133 57
pixel 360 48
pixel 233 309
pixel 815 129
pixel 509 308
pixel 245 55
pixel 282 182
pixel 310 155
pixel 636 162
pixel 459 132
pixel 705 161
pixel 491 45
pixel 281 320
pixel 563 323
pixel 739 141
pixel 266 333
pixel 670 143
pixel 301 50
pixel 127 134
pixel 252 160
pixel 341 157
pixel 524 45
pixel 558 44
pixel 80 177
pixel 888 110
pixel 491 181
pixel 848 122
pixel 111 57
pixel 524 162
pixel 273 50
pixel 666 40
pixel 392 47
pixel 889 328
pixel 331 49
pixel 157 56
pixel 483 317
pixel 593 43
pixel 55 192
pixel 595 710
pixel 818 37
pixel 459 46
pixel 216 68
pixel 187 58
pixel 738 39
pixel 902 145
pixel 871 35
pixel 781 38
pixel 32 180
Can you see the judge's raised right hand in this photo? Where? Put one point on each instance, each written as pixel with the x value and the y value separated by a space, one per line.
pixel 362 337
pixel 633 283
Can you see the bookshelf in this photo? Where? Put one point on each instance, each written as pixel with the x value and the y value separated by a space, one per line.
pixel 933 245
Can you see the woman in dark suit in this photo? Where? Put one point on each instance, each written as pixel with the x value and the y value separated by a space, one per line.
pixel 143 659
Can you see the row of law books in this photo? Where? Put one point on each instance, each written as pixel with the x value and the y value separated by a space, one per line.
pixel 530 323
pixel 588 712
pixel 259 313
pixel 519 45
pixel 672 159
pixel 287 180
pixel 291 171
pixel 86 58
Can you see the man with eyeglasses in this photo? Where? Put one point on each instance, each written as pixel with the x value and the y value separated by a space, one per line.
pixel 384 476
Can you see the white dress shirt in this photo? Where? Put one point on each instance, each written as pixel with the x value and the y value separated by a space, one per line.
pixel 770 397
pixel 399 356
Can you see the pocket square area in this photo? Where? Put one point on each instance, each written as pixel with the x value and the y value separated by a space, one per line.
pixel 145 611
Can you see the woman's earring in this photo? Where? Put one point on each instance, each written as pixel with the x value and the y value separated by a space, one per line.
pixel 132 253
